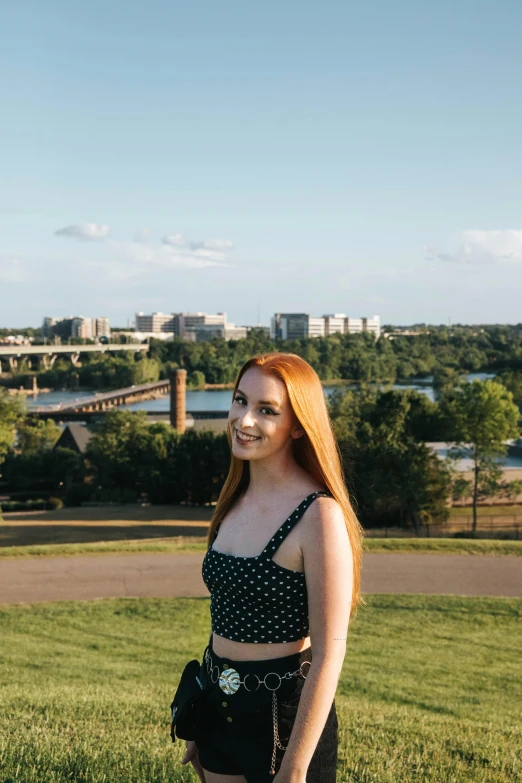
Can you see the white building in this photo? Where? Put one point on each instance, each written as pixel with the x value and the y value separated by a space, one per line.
pixel 185 323
pixel 194 327
pixel 156 322
pixel 296 326
pixel 372 325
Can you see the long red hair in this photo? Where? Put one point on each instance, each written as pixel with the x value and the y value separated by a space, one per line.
pixel 317 451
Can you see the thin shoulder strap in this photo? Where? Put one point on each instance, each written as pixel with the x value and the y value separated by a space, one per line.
pixel 280 535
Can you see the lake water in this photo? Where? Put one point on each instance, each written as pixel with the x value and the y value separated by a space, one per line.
pixel 215 399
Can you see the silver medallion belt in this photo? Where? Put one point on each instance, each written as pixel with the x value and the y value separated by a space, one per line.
pixel 229 680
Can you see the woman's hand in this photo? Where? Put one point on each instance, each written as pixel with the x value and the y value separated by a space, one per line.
pixel 191 754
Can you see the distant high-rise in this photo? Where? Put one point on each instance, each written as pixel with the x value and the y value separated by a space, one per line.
pixel 156 322
pixel 296 326
pixel 194 327
pixel 103 327
pixel 76 326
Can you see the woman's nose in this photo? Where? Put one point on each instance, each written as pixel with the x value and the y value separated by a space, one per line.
pixel 246 419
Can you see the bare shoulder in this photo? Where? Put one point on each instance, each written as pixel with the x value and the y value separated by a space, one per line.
pixel 324 521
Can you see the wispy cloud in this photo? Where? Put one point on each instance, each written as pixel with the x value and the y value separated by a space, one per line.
pixel 136 259
pixel 120 259
pixel 174 240
pixel 83 232
pixel 482 247
pixel 212 244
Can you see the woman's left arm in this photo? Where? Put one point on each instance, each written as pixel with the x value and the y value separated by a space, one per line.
pixel 328 566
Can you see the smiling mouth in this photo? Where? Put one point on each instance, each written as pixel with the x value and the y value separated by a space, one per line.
pixel 242 439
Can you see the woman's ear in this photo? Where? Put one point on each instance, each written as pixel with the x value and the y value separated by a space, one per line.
pixel 297 432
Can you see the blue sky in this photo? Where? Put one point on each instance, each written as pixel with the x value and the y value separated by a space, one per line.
pixel 357 157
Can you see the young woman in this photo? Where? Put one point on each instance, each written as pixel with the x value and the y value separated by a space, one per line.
pixel 283 570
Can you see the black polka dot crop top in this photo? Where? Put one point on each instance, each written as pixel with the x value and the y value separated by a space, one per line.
pixel 253 599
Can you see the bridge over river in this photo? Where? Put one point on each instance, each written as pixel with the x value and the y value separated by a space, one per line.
pixel 103 401
pixel 46 354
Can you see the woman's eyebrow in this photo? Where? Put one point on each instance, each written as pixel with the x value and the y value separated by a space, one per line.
pixel 261 402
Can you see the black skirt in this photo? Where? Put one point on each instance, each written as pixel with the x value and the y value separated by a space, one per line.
pixel 236 734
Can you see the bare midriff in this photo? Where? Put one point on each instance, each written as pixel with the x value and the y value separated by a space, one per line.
pixel 248 651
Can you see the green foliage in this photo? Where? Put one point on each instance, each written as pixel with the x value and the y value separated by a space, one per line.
pixel 200 465
pixel 512 380
pixel 196 380
pixel 127 452
pixel 51 470
pixel 484 417
pixel 512 489
pixel 13 411
pixel 394 477
pixel 461 489
pixel 106 371
pixel 446 380
pixel 42 504
pixel 440 351
pixel 37 435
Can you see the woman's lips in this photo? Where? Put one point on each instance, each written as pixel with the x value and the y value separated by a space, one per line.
pixel 245 442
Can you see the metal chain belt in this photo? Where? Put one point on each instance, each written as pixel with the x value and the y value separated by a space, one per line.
pixel 230 681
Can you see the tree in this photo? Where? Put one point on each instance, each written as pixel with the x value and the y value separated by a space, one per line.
pixel 196 380
pixel 484 417
pixel 513 382
pixel 36 435
pixel 512 489
pixel 125 448
pixel 125 452
pixel 461 489
pixel 13 411
pixel 446 380
pixel 392 473
pixel 49 470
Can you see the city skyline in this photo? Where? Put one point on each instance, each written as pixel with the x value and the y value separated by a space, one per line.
pixel 284 158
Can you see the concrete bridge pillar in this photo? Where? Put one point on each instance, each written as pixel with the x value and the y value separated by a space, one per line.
pixel 47 360
pixel 13 362
pixel 75 360
pixel 178 395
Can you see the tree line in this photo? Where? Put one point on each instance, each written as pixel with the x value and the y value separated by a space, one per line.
pixel 394 478
pixel 436 351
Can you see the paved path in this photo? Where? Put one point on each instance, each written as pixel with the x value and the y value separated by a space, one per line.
pixel 170 575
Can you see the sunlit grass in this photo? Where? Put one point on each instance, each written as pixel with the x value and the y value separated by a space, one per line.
pixel 447 546
pixel 430 690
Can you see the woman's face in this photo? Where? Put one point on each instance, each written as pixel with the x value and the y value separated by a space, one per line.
pixel 261 410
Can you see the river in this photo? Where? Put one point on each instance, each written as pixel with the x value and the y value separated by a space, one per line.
pixel 216 399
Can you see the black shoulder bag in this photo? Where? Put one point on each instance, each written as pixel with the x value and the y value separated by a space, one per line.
pixel 186 705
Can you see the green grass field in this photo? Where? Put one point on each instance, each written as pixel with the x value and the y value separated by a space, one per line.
pixel 430 690
pixel 445 546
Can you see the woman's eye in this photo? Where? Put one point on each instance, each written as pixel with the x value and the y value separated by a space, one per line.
pixel 239 399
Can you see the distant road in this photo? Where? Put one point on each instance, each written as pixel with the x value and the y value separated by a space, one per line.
pixel 173 575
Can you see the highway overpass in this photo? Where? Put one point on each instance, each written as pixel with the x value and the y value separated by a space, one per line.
pixel 46 354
